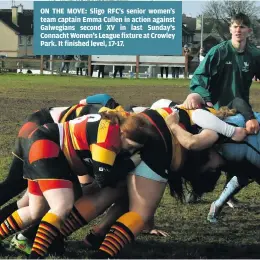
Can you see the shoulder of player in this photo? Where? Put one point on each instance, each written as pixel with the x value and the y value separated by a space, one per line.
pixel 219 49
pixel 253 49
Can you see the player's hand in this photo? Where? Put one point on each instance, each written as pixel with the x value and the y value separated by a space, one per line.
pixel 209 104
pixel 252 126
pixel 173 118
pixel 239 134
pixel 193 101
pixel 83 102
pixel 156 232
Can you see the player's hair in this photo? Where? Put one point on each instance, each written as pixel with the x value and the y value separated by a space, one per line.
pixel 138 128
pixel 224 112
pixel 240 18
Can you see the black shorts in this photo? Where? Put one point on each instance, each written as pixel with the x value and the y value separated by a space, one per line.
pixel 31 123
pixel 43 158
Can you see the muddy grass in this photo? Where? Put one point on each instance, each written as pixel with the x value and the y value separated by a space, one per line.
pixel 191 236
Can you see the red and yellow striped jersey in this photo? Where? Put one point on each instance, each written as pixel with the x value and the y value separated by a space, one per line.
pixel 90 144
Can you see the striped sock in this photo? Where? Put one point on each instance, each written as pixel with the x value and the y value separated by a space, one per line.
pixel 8 210
pixel 74 222
pixel 121 233
pixel 48 230
pixel 11 225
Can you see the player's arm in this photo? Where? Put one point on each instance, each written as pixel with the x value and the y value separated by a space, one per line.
pixel 245 109
pixel 104 152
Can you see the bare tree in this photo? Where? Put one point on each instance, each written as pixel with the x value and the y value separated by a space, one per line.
pixel 221 11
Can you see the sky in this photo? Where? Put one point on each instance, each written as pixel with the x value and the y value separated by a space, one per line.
pixel 193 8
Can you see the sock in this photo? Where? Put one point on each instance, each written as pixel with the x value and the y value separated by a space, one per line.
pixel 94 240
pixel 229 190
pixel 11 225
pixel 8 210
pixel 121 233
pixel 30 232
pixel 48 230
pixel 74 222
pixel 206 120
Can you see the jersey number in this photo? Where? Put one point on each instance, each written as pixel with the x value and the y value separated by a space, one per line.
pixel 90 117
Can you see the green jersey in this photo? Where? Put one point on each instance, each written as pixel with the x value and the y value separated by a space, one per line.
pixel 225 74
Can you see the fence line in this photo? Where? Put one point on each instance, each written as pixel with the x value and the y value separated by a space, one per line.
pixel 137 62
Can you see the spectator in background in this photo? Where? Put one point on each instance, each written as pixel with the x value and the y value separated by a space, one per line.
pixel 79 64
pixel 186 51
pixel 101 70
pixel 92 67
pixel 175 72
pixel 120 69
pixel 66 65
pixel 166 72
pixel 202 54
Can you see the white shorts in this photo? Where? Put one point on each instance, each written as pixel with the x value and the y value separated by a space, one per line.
pixel 145 171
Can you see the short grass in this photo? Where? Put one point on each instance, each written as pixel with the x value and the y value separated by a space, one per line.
pixel 191 236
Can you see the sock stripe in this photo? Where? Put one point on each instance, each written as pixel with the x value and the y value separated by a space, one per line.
pixel 64 231
pixel 120 236
pixel 43 237
pixel 110 246
pixel 13 223
pixel 17 220
pixel 107 249
pixel 37 247
pixel 40 246
pixel 45 234
pixel 42 241
pixel 67 229
pixel 122 233
pixel 5 229
pixel 38 251
pixel 78 217
pixel 113 242
pixel 75 222
pixel 50 228
pixel 48 231
pixel 2 233
pixel 10 225
pixel 78 220
pixel 113 236
pixel 69 224
pixel 126 230
pixel 72 223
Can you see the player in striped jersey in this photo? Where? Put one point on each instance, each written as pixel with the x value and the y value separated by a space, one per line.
pixel 51 155
pixel 186 120
pixel 162 158
pixel 41 117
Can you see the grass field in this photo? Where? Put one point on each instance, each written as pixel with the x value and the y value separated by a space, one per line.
pixel 191 236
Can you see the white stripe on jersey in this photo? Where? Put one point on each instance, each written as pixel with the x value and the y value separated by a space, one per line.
pixel 161 103
pixel 56 112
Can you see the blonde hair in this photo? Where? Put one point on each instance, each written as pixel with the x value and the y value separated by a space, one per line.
pixel 115 117
pixel 224 112
pixel 133 126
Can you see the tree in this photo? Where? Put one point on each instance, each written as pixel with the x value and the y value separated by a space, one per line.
pixel 221 11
